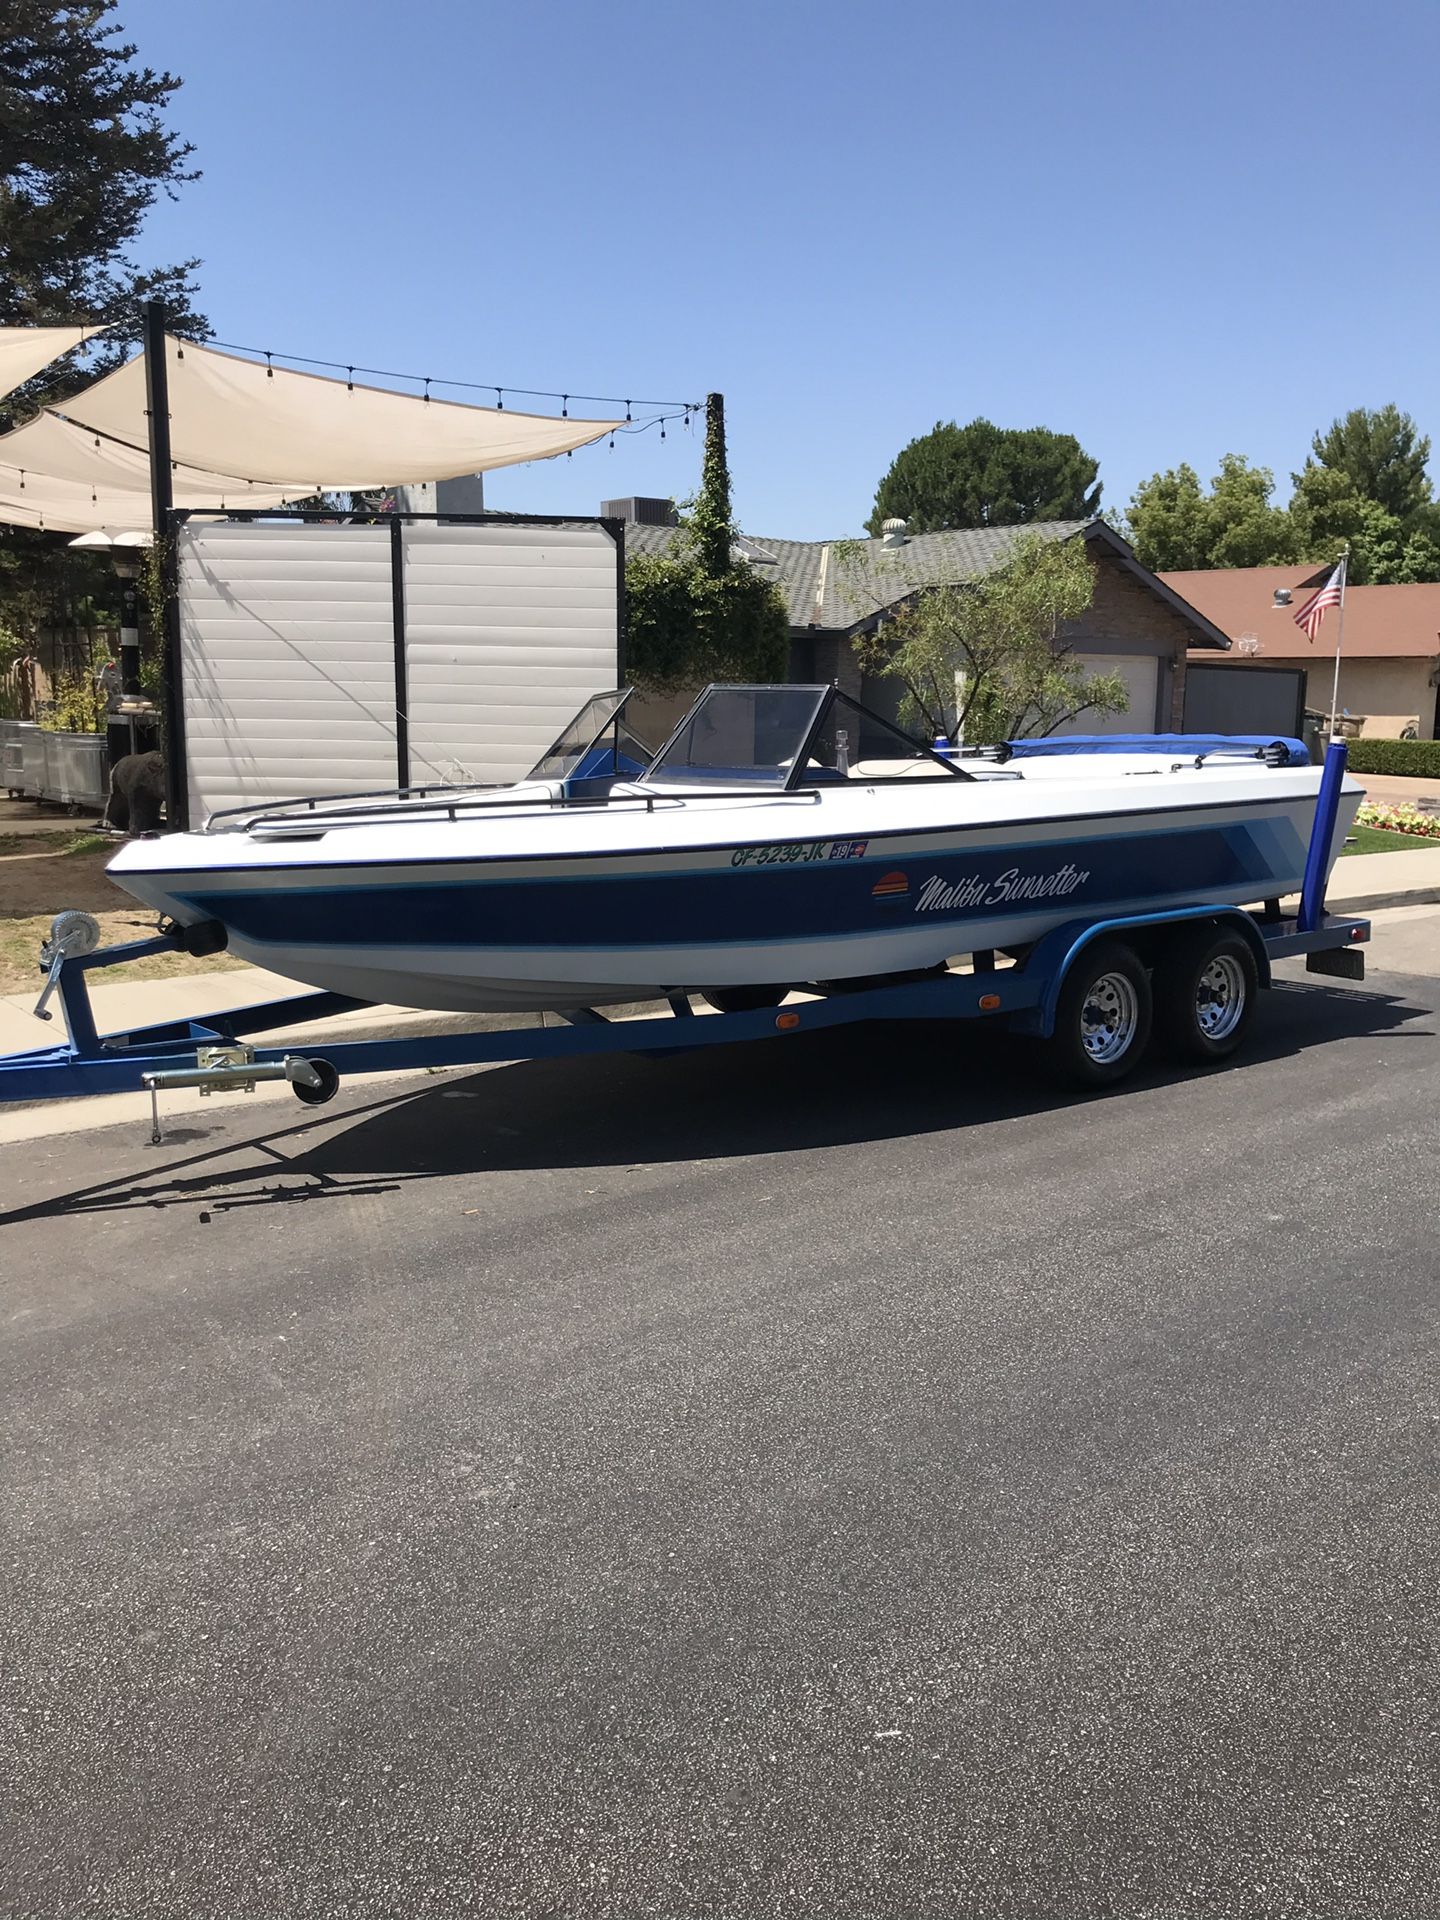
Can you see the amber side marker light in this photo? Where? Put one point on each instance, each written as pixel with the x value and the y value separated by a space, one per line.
pixel 787 1022
pixel 989 1002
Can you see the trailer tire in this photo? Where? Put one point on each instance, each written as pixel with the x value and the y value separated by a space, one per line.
pixel 1102 1018
pixel 1206 987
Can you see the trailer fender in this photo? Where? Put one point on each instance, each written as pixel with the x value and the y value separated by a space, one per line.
pixel 1053 956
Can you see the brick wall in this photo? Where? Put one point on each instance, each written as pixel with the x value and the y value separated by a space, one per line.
pixel 1126 617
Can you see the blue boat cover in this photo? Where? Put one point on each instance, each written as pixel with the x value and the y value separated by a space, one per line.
pixel 1185 746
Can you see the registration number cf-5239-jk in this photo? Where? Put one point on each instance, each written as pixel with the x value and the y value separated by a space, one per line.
pixel 793 853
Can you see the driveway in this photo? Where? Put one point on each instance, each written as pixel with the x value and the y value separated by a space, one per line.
pixel 832 1478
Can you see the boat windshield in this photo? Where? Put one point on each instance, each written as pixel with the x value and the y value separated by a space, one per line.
pixel 789 737
pixel 745 736
pixel 596 743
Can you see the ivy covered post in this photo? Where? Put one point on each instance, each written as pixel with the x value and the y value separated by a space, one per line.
pixel 695 613
pixel 711 521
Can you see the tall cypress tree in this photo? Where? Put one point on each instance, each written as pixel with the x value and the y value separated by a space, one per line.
pixel 84 152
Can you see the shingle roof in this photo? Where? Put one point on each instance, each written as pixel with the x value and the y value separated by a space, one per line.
pixel 1380 622
pixel 839 593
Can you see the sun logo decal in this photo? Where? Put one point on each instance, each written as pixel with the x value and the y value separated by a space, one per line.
pixel 891 886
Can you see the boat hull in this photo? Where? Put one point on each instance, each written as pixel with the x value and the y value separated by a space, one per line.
pixel 555 933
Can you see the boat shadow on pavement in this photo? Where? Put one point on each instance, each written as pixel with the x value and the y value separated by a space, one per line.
pixel 835 1088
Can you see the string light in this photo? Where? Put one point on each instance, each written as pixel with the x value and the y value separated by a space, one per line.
pixel 673 409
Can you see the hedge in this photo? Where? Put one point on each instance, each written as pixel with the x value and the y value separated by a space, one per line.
pixel 1420 757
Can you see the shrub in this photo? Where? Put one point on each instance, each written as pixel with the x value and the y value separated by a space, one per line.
pixel 1420 757
pixel 683 626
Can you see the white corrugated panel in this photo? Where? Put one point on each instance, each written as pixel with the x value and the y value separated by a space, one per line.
pixel 288 651
pixel 509 629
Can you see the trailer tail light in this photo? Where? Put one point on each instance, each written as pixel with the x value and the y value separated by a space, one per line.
pixel 1359 933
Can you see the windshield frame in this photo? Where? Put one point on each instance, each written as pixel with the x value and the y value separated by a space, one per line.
pixel 612 724
pixel 829 696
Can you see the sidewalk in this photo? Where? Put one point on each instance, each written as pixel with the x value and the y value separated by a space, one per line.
pixel 1364 882
pixel 1400 789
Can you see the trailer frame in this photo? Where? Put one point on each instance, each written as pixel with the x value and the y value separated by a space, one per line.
pixel 215 1050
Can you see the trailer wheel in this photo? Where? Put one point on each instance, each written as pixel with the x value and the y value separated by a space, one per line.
pixel 1102 1021
pixel 742 999
pixel 1205 993
pixel 327 1089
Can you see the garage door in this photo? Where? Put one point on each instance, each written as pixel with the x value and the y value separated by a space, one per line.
pixel 1141 675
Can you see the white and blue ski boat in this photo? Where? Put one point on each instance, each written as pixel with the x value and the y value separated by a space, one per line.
pixel 783 835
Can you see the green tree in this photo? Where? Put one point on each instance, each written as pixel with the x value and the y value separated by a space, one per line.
pixel 989 659
pixel 695 613
pixel 1380 454
pixel 1365 487
pixel 1385 550
pixel 1175 526
pixel 84 152
pixel 982 475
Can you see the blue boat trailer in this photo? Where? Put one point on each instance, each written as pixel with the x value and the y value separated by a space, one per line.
pixel 1092 988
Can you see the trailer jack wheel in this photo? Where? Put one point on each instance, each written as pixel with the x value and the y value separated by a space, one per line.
pixel 324 1086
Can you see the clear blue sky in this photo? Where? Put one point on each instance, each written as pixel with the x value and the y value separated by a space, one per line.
pixel 1172 230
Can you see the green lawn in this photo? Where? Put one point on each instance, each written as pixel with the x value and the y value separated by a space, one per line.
pixel 1378 840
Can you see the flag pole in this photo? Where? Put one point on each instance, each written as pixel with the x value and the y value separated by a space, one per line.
pixel 1339 642
pixel 1327 804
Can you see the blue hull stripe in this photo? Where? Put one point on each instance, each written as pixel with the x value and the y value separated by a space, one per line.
pixel 828 899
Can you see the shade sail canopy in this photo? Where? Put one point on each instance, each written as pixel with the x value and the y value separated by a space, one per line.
pixel 25 350
pixel 244 436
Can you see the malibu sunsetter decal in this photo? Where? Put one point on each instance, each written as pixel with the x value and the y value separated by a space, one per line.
pixel 950 896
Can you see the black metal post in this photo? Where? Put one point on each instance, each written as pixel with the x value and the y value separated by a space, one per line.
pixel 616 530
pixel 129 637
pixel 402 672
pixel 157 403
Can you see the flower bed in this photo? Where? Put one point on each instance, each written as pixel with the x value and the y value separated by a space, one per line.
pixel 1399 818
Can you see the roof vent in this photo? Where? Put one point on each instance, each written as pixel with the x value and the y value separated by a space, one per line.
pixel 893 533
pixel 641 510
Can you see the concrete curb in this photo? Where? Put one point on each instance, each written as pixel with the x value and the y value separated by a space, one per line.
pixel 1373 902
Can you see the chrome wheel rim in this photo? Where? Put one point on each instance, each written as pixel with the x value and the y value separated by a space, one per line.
pixel 1220 997
pixel 1109 1018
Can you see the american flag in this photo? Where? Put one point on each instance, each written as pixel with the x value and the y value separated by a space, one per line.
pixel 1313 611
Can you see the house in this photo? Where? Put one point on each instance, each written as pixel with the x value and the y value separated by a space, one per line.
pixel 1390 659
pixel 1137 626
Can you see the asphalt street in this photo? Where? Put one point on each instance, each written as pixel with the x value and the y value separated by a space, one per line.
pixel 839 1477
